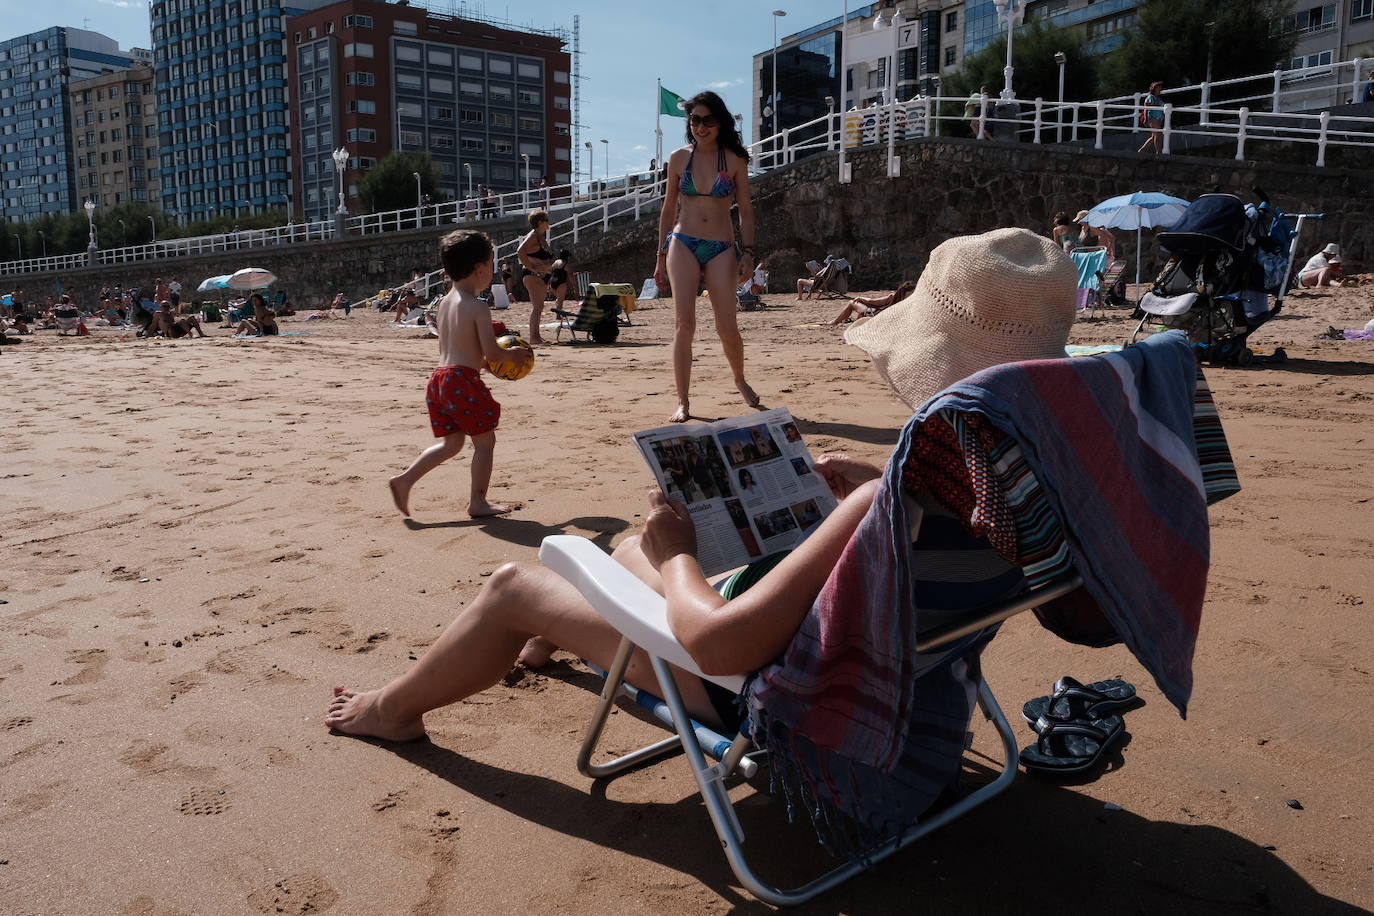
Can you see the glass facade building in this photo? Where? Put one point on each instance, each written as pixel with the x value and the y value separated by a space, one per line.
pixel 222 104
pixel 36 165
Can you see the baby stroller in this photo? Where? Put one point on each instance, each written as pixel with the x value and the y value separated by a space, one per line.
pixel 1215 285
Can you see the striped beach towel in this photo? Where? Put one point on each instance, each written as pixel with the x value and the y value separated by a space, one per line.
pixel 1094 463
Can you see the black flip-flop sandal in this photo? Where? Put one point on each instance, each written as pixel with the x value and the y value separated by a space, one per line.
pixel 1071 747
pixel 1072 700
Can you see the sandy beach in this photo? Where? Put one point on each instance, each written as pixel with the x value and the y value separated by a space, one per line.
pixel 200 543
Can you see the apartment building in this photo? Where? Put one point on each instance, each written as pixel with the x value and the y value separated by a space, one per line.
pixel 37 173
pixel 220 77
pixel 920 39
pixel 114 137
pixel 490 103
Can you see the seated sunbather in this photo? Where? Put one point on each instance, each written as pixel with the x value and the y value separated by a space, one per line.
pixel 864 306
pixel 1323 268
pixel 1027 314
pixel 263 321
pixel 807 285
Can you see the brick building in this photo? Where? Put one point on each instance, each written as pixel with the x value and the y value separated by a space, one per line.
pixel 490 103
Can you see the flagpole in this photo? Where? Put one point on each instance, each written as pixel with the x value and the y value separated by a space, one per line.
pixel 844 63
pixel 658 132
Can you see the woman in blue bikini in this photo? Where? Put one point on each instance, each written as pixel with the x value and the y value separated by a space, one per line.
pixel 701 243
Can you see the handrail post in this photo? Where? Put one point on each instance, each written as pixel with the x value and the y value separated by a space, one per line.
pixel 894 167
pixel 1206 104
pixel 1168 126
pixel 1135 113
pixel 1355 78
pixel 1240 133
pixel 605 215
pixel 1325 120
pixel 1278 88
pixel 1101 122
pixel 930 117
pixel 1039 116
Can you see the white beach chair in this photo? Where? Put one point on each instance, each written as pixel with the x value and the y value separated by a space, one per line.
pixel 640 615
pixel 500 299
pixel 648 291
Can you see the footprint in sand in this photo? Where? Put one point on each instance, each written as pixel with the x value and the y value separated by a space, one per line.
pixel 11 724
pixel 295 895
pixel 390 800
pixel 92 662
pixel 203 801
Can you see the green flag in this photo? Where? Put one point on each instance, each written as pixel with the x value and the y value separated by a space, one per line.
pixel 672 104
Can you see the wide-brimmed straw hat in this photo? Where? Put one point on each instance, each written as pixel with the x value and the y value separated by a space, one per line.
pixel 1332 248
pixel 983 300
pixel 1082 215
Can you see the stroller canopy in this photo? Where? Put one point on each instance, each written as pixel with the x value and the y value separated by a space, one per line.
pixel 1210 222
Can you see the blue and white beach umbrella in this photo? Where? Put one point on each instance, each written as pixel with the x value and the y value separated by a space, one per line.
pixel 1141 210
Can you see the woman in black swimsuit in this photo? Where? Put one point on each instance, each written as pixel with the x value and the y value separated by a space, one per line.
pixel 536 263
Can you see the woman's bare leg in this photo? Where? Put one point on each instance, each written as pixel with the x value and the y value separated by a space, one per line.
pixel 479 647
pixel 684 276
pixel 720 284
pixel 538 293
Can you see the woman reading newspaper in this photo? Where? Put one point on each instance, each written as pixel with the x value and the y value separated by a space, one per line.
pixel 922 345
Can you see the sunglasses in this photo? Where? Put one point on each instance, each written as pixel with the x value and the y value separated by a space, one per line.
pixel 702 120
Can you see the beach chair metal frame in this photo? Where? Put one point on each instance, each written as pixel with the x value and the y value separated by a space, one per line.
pixel 640 615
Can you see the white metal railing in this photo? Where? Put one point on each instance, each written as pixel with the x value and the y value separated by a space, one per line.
pixel 1261 107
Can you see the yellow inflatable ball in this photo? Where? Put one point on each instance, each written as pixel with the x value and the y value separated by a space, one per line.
pixel 509 369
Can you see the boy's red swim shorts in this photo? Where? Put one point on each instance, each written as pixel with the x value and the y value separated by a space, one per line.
pixel 460 402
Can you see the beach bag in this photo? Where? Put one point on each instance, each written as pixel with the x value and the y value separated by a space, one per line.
pixel 1144 117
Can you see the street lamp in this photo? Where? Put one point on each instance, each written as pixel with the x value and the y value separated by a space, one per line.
pixel 419 199
pixel 340 157
pixel 1012 12
pixel 608 158
pixel 43 240
pixel 152 222
pixel 123 232
pixel 90 225
pixel 467 167
pixel 829 119
pixel 591 168
pixel 1060 58
pixel 1207 80
pixel 526 157
pixel 778 14
pixel 20 242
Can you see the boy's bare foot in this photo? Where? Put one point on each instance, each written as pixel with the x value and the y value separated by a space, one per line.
pixel 360 714
pixel 537 652
pixel 681 415
pixel 486 510
pixel 748 394
pixel 400 494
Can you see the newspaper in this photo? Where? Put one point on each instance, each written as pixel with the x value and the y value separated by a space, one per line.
pixel 747 481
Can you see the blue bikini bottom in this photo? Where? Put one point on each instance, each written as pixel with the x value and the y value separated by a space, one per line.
pixel 704 250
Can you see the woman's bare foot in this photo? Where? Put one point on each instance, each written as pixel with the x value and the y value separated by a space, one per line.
pixel 538 342
pixel 537 652
pixel 400 494
pixel 485 510
pixel 747 393
pixel 360 714
pixel 681 415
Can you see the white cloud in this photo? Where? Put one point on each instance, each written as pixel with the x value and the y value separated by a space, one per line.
pixel 723 84
pixel 639 148
pixel 123 4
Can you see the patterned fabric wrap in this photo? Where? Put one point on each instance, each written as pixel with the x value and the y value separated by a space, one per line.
pixel 866 732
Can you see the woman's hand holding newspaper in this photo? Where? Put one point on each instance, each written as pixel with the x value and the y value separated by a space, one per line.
pixel 844 474
pixel 669 530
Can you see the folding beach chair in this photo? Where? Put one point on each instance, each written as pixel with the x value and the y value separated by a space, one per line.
pixel 1090 264
pixel 600 316
pixel 500 299
pixel 640 615
pixel 1111 287
pixel 833 282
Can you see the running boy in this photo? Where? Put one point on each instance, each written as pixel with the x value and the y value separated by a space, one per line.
pixel 459 402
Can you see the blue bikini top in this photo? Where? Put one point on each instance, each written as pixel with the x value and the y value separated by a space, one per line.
pixel 723 186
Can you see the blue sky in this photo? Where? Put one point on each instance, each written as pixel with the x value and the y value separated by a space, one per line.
pixel 625 47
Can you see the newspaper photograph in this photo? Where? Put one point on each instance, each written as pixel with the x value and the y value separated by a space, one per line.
pixel 747 482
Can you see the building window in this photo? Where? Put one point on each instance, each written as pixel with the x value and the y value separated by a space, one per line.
pixel 561 102
pixel 1361 9
pixel 531 125
pixel 407 109
pixel 440 86
pixel 360 135
pixel 528 70
pixel 357 49
pixel 361 106
pixel 357 22
pixel 473 116
pixel 950 56
pixel 563 130
pixel 439 58
pixel 496 65
pixel 405 28
pixel 501 93
pixel 1316 19
pixel 503 172
pixel 408 80
pixel 360 78
pixel 952 21
pixel 441 113
pixel 1320 59
pixel 533 150
pixel 469 61
pixel 410 138
pixel 475 89
pixel 441 141
pixel 529 97
pixel 409 53
pixel 474 143
pixel 501 119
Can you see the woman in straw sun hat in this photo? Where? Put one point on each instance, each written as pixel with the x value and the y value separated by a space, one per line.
pixel 983 300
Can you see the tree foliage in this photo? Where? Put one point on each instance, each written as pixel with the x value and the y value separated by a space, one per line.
pixel 1037 74
pixel 390 185
pixel 1169 42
